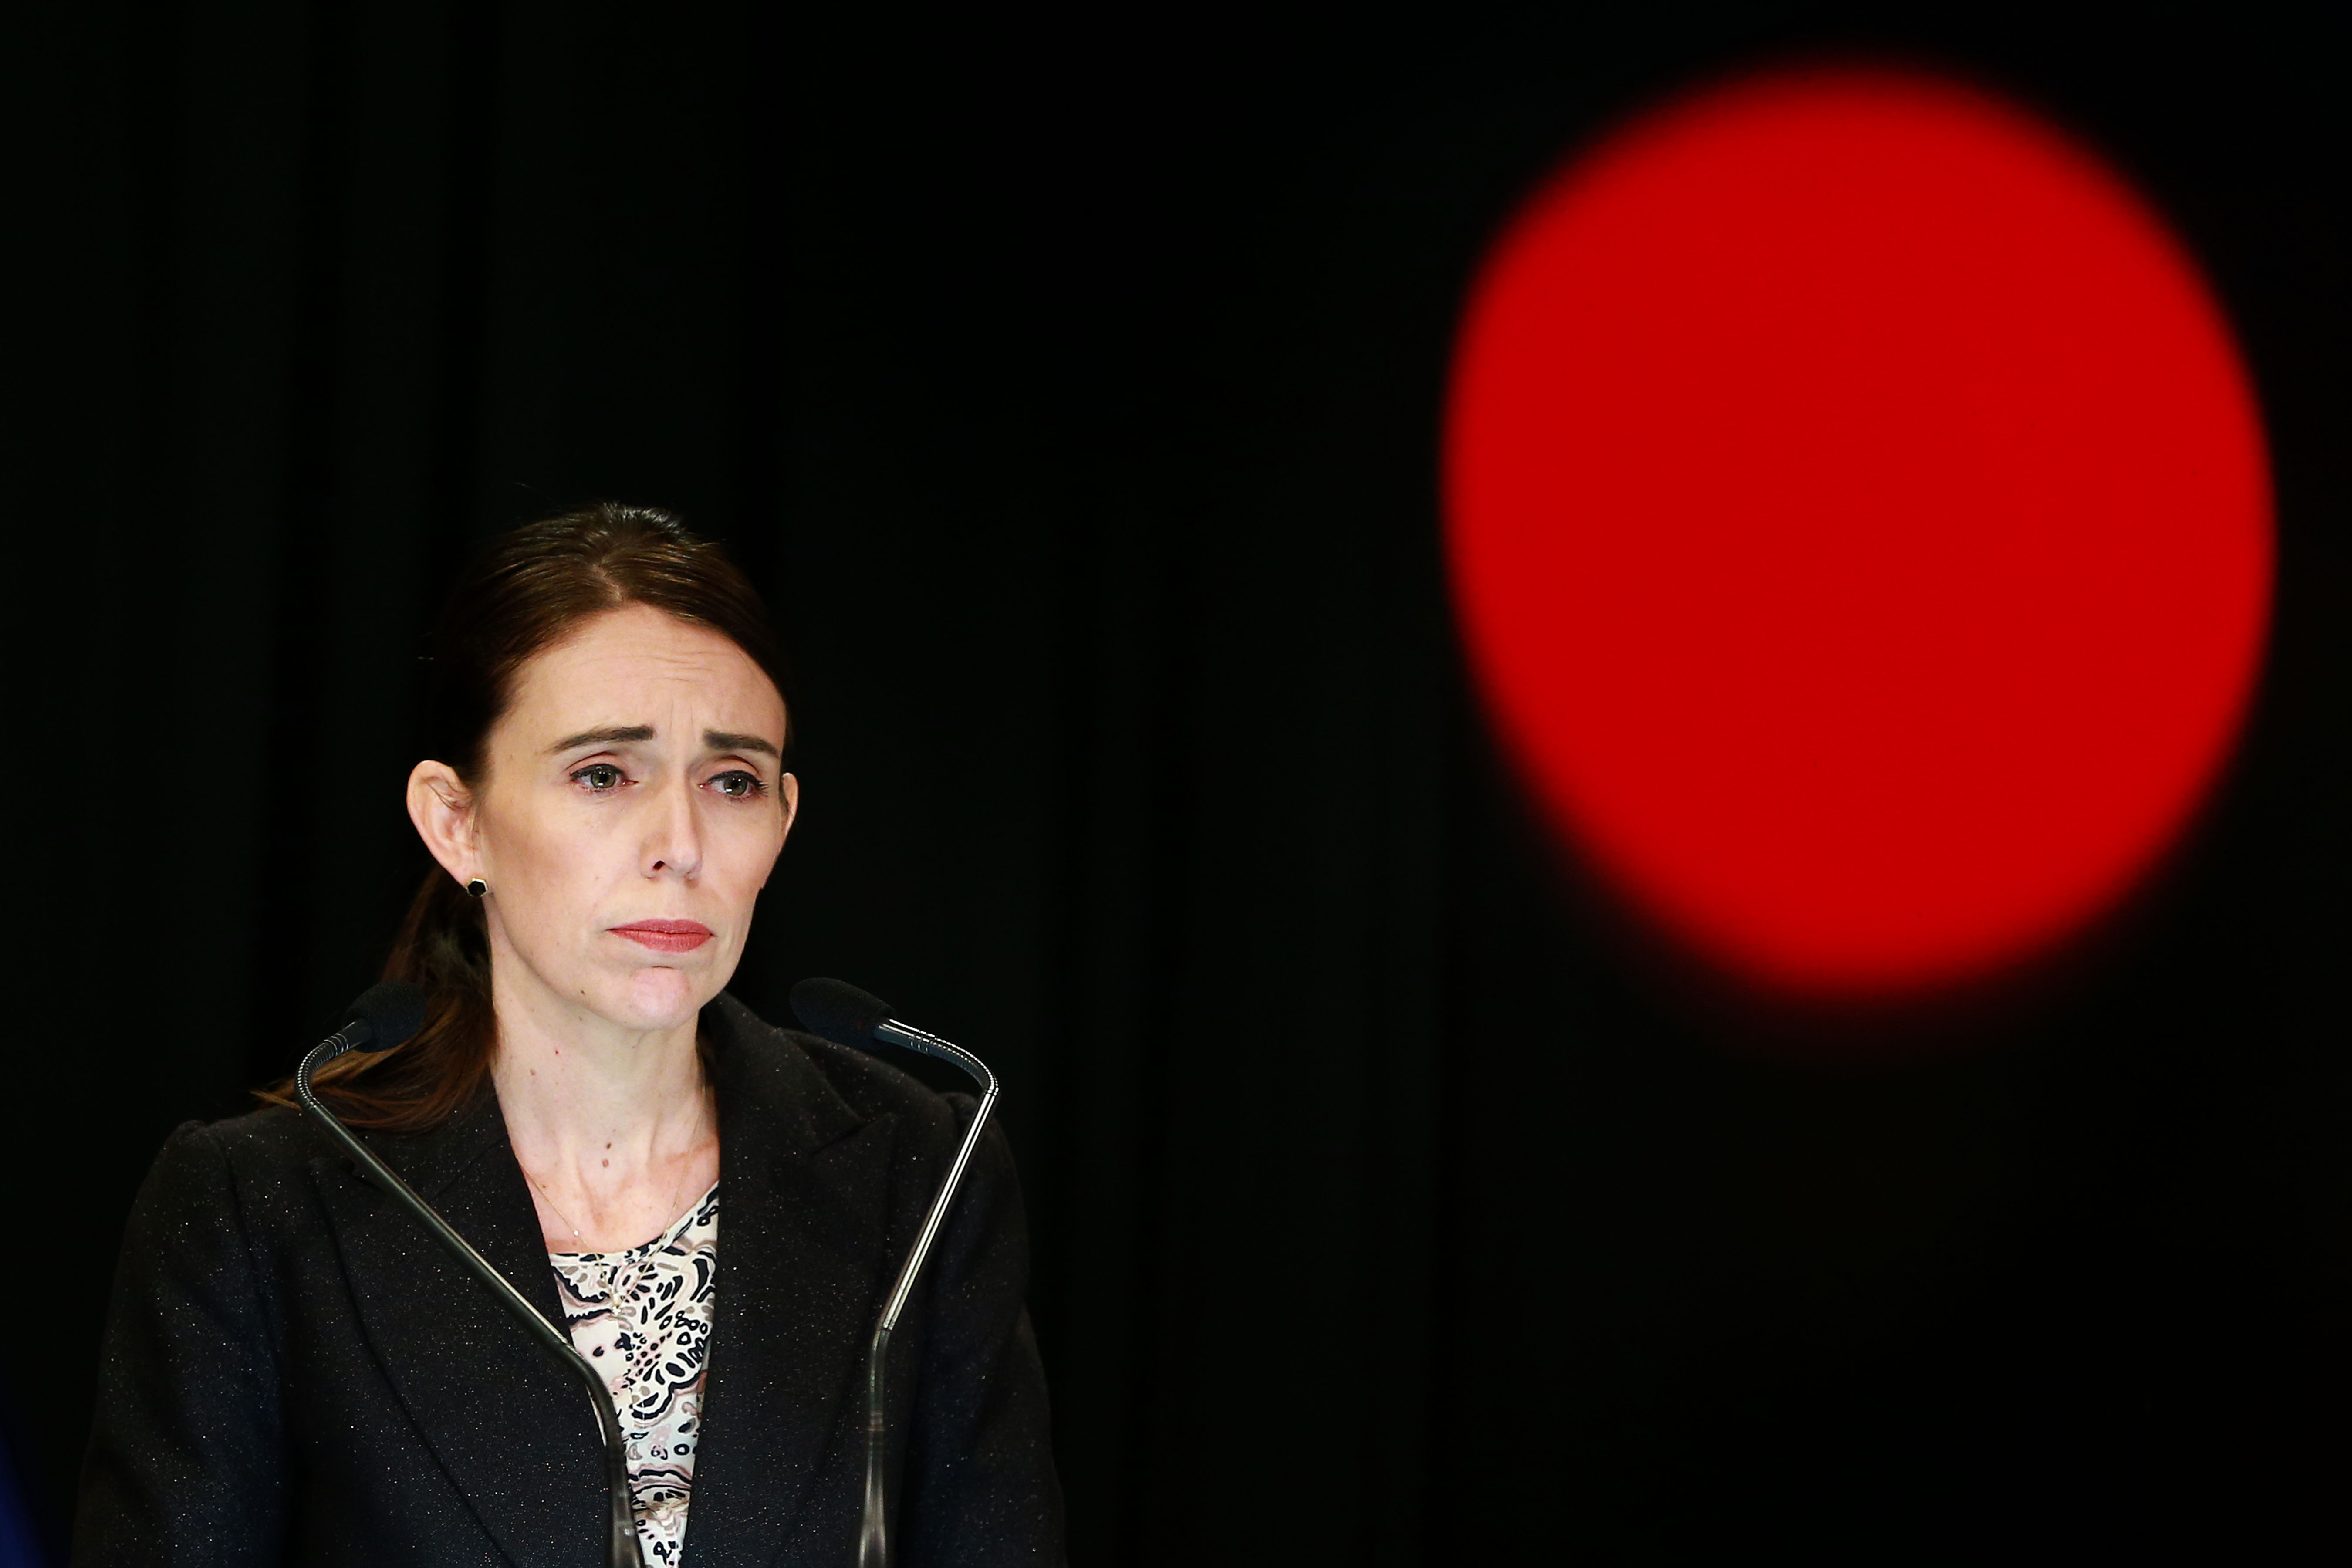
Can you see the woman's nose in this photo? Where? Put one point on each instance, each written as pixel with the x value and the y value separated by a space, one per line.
pixel 674 843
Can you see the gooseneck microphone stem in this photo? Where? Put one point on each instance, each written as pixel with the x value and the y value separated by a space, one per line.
pixel 848 1016
pixel 873 1536
pixel 620 1545
pixel 915 1039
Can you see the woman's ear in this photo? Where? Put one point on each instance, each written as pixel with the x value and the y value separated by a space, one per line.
pixel 442 807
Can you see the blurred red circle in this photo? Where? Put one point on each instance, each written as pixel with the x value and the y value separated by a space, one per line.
pixel 1859 522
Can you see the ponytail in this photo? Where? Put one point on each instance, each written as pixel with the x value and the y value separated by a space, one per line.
pixel 442 947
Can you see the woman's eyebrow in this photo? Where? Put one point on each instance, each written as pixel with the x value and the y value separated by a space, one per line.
pixel 615 735
pixel 722 741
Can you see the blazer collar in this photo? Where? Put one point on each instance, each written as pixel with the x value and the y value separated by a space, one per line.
pixel 803 1215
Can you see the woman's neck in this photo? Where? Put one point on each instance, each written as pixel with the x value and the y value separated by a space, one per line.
pixel 614 1129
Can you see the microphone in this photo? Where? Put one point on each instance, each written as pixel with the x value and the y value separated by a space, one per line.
pixel 386 1014
pixel 843 1014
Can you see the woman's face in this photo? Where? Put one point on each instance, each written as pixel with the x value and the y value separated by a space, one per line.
pixel 631 811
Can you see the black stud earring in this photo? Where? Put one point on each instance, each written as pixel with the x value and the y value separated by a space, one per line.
pixel 478 888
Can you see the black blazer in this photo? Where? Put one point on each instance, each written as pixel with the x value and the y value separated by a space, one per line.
pixel 295 1373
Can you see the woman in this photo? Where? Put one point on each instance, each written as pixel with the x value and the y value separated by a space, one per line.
pixel 294 1373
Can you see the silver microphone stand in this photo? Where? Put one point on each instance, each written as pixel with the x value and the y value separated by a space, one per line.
pixel 621 1538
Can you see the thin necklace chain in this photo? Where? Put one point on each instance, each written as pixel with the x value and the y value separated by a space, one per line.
pixel 551 1203
pixel 567 1219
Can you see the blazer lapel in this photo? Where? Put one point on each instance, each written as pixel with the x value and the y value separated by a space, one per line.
pixel 803 1215
pixel 512 1429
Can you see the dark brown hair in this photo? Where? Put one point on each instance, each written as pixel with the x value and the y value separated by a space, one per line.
pixel 527 593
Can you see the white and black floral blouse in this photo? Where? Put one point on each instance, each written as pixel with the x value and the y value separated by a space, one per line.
pixel 643 1318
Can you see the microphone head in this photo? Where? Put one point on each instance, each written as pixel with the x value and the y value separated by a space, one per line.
pixel 839 1011
pixel 389 1011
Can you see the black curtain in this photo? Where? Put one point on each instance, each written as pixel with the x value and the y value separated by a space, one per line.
pixel 1071 384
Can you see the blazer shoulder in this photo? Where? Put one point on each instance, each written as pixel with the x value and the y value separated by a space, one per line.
pixel 251 1169
pixel 271 1139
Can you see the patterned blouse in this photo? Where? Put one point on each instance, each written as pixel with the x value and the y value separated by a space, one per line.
pixel 643 1318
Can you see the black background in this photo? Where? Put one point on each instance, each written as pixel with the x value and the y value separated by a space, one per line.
pixel 1071 385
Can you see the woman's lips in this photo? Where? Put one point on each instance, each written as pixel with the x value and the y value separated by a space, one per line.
pixel 666 936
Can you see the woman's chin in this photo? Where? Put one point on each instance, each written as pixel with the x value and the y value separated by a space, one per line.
pixel 658 999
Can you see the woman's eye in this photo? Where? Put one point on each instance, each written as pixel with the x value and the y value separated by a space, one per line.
pixel 599 777
pixel 738 785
